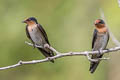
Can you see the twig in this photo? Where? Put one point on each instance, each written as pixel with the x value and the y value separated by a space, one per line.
pixel 60 55
pixel 51 48
pixel 32 44
pixel 116 42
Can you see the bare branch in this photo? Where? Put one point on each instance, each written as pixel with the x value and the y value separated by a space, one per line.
pixel 60 55
pixel 116 42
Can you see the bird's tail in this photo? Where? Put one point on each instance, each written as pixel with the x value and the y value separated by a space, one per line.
pixel 93 66
pixel 47 53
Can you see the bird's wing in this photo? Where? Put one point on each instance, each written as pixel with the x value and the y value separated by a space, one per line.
pixel 43 32
pixel 93 65
pixel 46 53
pixel 28 35
pixel 94 37
pixel 107 38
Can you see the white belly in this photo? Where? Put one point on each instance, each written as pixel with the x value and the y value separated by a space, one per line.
pixel 37 36
pixel 101 42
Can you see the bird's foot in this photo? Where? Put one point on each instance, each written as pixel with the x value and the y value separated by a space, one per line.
pixel 49 58
pixel 34 46
pixel 46 46
pixel 100 52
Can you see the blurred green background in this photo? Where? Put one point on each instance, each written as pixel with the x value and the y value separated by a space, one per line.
pixel 69 25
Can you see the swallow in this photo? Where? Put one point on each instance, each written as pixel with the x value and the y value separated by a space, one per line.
pixel 99 42
pixel 38 36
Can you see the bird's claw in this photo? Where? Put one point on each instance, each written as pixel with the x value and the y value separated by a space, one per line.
pixel 100 52
pixel 46 46
pixel 34 46
pixel 49 58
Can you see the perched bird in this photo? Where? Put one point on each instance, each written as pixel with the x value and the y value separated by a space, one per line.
pixel 99 42
pixel 38 36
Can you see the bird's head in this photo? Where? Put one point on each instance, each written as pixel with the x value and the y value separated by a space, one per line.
pixel 30 21
pixel 99 23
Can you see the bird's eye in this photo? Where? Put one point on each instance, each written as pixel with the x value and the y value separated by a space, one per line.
pixel 101 22
pixel 28 20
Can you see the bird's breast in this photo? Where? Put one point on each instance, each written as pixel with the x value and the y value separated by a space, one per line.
pixel 101 41
pixel 36 35
pixel 102 30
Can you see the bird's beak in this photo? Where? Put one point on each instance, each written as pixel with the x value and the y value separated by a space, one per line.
pixel 96 23
pixel 24 21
